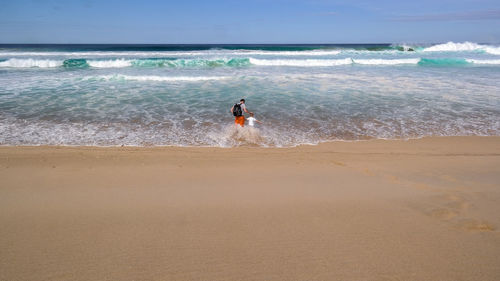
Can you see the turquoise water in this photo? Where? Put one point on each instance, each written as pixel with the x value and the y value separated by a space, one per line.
pixel 180 95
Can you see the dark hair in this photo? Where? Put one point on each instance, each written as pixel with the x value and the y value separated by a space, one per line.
pixel 243 100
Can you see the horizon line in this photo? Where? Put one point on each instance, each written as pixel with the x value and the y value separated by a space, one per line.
pixel 209 44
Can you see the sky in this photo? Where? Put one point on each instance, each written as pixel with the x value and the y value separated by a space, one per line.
pixel 247 22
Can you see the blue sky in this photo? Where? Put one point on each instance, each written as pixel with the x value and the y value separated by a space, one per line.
pixel 253 21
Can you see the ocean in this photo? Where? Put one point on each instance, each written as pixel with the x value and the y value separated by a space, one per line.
pixel 181 95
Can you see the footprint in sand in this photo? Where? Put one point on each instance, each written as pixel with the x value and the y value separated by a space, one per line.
pixel 456 202
pixel 454 209
pixel 447 207
pixel 475 225
pixel 448 178
pixel 442 213
pixel 458 205
pixel 368 172
pixel 338 163
pixel 393 179
pixel 422 186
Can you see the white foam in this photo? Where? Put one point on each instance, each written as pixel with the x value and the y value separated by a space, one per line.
pixel 26 63
pixel 302 63
pixel 454 47
pixel 475 61
pixel 110 63
pixel 346 61
pixel 386 62
pixel 406 48
pixel 240 136
pixel 492 50
pixel 289 53
pixel 460 47
pixel 158 78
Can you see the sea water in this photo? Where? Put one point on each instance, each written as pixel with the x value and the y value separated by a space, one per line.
pixel 181 95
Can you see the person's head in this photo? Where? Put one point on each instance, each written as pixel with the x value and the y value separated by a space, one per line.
pixel 251 114
pixel 242 101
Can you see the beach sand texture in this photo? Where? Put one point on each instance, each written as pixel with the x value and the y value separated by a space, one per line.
pixel 424 209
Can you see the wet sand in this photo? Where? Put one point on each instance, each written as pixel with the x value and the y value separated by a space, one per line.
pixel 423 209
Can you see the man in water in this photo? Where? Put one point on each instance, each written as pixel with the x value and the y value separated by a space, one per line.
pixel 237 110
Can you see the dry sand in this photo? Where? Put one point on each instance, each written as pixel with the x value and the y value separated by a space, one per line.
pixel 375 210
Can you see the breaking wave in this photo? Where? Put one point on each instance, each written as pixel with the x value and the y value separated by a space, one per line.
pixel 463 47
pixel 476 61
pixel 308 62
pixel 25 63
pixel 386 62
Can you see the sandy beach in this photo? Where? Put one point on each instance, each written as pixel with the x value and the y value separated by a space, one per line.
pixel 424 209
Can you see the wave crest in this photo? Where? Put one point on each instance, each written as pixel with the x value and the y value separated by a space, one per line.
pixel 335 62
pixel 476 61
pixel 110 63
pixel 463 47
pixel 306 63
pixel 385 61
pixel 25 63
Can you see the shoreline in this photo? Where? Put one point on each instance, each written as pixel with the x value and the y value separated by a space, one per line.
pixel 427 138
pixel 420 209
